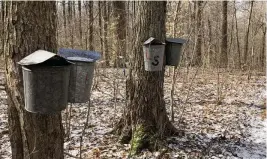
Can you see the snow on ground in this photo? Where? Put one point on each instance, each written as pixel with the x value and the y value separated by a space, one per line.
pixel 235 128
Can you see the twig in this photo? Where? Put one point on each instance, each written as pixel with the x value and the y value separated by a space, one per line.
pixel 85 127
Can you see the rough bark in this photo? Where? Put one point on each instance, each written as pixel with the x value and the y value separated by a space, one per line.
pixel 120 15
pixel 145 121
pixel 30 26
pixel 223 57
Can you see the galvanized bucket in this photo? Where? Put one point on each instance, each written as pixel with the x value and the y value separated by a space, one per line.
pixel 173 51
pixel 153 57
pixel 153 54
pixel 45 81
pixel 46 88
pixel 82 73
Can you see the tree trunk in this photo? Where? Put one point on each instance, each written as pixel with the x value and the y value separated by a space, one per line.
pixel 210 54
pixel 120 15
pixel 90 23
pixel 223 57
pixel 100 5
pixel 1 27
pixel 105 33
pixel 197 61
pixel 263 53
pixel 71 17
pixel 64 22
pixel 91 20
pixel 145 120
pixel 32 136
pixel 247 34
pixel 237 39
pixel 80 24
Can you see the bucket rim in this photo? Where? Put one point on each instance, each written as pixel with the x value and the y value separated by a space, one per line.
pixel 27 67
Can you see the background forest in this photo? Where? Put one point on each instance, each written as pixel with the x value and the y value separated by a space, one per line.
pixel 231 31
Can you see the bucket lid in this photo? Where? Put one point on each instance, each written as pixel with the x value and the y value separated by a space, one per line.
pixel 79 55
pixel 176 40
pixel 153 41
pixel 82 59
pixel 39 57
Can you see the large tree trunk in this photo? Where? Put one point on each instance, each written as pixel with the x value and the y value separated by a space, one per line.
pixel 145 119
pixel 120 15
pixel 223 57
pixel 30 26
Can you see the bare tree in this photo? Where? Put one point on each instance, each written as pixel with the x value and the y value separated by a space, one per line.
pixel 80 23
pixel 224 50
pixel 120 15
pixel 246 43
pixel 145 119
pixel 105 33
pixel 237 38
pixel 197 59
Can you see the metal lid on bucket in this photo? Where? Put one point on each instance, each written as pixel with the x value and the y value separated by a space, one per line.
pixel 43 57
pixel 153 41
pixel 79 55
pixel 175 40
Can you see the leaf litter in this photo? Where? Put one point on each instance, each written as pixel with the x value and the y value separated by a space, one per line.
pixel 233 128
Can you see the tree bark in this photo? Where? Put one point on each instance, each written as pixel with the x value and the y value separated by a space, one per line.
pixel 263 53
pixel 105 33
pixel 120 15
pixel 197 59
pixel 80 24
pixel 247 34
pixel 64 22
pixel 91 20
pixel 223 57
pixel 237 39
pixel 1 26
pixel 145 119
pixel 100 8
pixel 30 26
pixel 90 23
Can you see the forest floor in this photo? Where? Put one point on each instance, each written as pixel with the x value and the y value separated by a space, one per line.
pixel 229 125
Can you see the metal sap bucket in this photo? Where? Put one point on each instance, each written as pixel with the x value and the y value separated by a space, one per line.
pixel 45 81
pixel 173 51
pixel 82 73
pixel 153 54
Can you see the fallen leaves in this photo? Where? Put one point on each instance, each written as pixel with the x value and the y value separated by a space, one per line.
pixel 234 129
